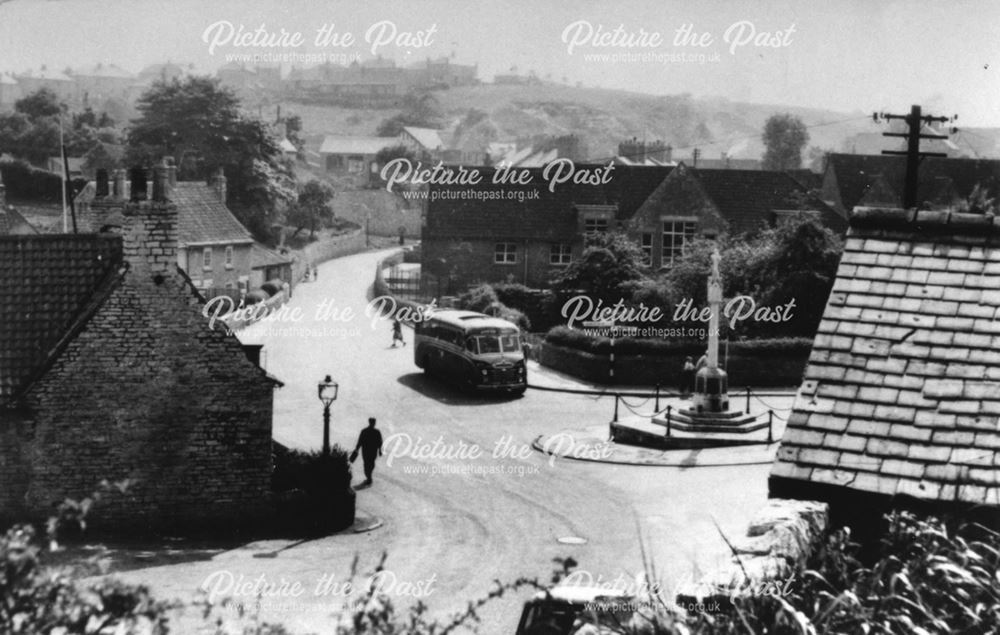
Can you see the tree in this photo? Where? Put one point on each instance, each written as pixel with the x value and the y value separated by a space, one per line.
pixel 311 208
pixel 201 125
pixel 784 138
pixel 421 110
pixel 41 103
pixel 608 270
pixel 398 151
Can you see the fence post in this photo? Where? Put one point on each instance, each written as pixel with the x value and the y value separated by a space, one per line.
pixel 615 420
pixel 770 419
pixel 656 408
pixel 669 408
pixel 748 399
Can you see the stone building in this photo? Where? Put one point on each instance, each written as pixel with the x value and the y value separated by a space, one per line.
pixel 109 372
pixel 900 404
pixel 526 233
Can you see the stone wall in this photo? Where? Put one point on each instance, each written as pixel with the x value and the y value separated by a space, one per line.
pixel 382 212
pixel 778 541
pixel 318 252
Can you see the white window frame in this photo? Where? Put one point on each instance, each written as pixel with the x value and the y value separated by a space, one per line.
pixel 505 253
pixel 560 254
pixel 681 230
pixel 229 256
pixel 598 225
pixel 647 250
pixel 206 259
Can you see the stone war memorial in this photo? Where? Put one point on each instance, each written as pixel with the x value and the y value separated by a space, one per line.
pixel 707 419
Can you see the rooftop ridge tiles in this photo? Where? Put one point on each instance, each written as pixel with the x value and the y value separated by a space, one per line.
pixel 931 221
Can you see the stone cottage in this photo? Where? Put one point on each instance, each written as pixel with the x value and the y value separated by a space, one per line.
pixel 110 372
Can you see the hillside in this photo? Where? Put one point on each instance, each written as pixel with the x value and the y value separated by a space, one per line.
pixel 601 117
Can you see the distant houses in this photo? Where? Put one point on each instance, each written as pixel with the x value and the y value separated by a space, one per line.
pixel 353 158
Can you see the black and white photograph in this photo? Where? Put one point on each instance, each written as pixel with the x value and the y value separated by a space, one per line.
pixel 526 317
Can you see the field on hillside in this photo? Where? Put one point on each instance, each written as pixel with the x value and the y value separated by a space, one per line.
pixel 603 118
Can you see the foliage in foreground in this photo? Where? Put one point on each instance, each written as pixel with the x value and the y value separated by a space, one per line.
pixel 929 578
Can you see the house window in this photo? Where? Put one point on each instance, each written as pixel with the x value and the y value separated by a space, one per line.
pixel 206 258
pixel 505 254
pixel 646 245
pixel 229 256
pixel 595 225
pixel 355 165
pixel 560 254
pixel 676 232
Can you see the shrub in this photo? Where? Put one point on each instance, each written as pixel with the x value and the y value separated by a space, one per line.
pixel 325 481
pixel 478 298
pixel 582 341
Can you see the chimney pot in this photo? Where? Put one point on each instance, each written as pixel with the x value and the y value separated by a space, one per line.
pixel 101 183
pixel 119 184
pixel 138 178
pixel 161 182
pixel 220 185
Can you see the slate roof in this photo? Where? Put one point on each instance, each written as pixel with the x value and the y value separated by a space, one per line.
pixel 901 395
pixel 552 216
pixel 202 219
pixel 49 284
pixel 856 174
pixel 746 199
pixel 427 137
pixel 262 257
pixel 11 222
pixel 356 145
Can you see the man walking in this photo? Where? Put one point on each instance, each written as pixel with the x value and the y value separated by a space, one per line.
pixel 370 444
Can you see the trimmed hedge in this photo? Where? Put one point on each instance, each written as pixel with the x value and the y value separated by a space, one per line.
pixel 773 362
pixel 579 340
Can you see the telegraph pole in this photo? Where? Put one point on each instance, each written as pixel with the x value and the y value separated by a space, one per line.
pixel 914 122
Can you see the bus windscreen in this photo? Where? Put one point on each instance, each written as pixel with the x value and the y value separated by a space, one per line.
pixel 501 343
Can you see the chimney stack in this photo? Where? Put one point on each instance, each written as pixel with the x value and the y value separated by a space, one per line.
pixel 220 185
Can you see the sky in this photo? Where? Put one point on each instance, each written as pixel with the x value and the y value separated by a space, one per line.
pixel 846 55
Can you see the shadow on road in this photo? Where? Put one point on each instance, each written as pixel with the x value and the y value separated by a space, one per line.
pixel 444 392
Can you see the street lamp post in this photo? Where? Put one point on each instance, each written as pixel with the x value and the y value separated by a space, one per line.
pixel 327 390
